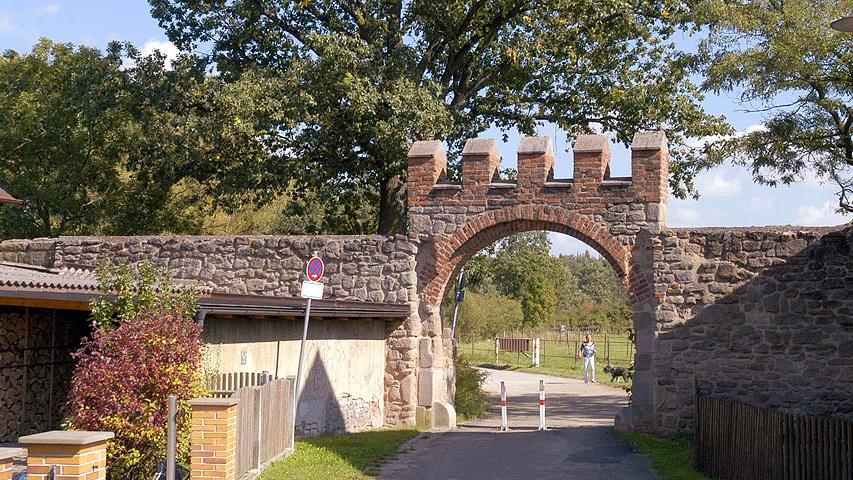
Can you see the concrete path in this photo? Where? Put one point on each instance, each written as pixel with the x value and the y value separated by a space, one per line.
pixel 581 442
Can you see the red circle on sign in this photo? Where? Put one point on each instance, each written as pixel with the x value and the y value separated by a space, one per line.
pixel 315 269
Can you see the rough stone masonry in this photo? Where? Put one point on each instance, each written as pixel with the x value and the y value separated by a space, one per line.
pixel 761 315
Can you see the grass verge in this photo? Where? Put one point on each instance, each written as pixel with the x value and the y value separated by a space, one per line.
pixel 672 458
pixel 353 456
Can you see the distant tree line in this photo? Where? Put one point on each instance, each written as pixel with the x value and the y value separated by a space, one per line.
pixel 516 283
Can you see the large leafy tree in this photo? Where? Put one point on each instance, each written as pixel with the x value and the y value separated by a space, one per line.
pixel 377 74
pixel 120 143
pixel 782 59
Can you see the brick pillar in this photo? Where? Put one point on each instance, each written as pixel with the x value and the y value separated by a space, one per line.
pixel 70 455
pixel 535 162
pixel 214 438
pixel 480 163
pixel 650 175
pixel 427 165
pixel 6 462
pixel 592 157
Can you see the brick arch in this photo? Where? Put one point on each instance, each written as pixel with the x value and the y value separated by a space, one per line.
pixel 454 250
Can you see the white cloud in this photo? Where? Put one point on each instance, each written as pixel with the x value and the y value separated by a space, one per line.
pixel 165 47
pixel 49 10
pixel 761 204
pixel 820 215
pixel 700 142
pixel 8 27
pixel 683 216
pixel 758 127
pixel 566 244
pixel 716 184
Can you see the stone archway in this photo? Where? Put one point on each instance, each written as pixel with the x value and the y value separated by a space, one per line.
pixel 616 216
pixel 497 224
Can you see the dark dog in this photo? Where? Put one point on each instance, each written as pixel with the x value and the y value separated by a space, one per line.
pixel 618 372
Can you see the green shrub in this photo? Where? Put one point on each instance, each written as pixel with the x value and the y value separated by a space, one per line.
pixel 122 383
pixel 470 400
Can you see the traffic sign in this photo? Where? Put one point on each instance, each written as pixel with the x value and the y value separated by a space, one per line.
pixel 312 290
pixel 315 268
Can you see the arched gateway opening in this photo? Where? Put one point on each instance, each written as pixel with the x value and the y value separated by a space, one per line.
pixel 615 216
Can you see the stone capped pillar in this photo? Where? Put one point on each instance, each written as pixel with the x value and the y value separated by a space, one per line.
pixel 650 175
pixel 6 462
pixel 67 455
pixel 592 159
pixel 535 162
pixel 214 438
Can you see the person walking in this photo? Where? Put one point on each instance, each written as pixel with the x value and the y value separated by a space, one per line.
pixel 587 349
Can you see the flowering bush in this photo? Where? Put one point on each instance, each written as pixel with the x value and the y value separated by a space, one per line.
pixel 122 382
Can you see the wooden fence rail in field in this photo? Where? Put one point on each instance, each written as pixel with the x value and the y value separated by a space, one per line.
pixel 515 344
pixel 264 424
pixel 737 441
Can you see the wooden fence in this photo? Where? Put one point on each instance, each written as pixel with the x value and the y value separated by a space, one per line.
pixel 515 344
pixel 737 441
pixel 224 384
pixel 264 424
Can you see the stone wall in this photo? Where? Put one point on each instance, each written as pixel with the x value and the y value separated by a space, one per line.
pixel 371 268
pixel 758 315
pixel 35 367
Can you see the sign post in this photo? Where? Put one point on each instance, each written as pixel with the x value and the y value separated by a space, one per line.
pixel 311 289
pixel 460 296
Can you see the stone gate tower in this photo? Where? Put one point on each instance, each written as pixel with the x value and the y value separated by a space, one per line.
pixel 617 216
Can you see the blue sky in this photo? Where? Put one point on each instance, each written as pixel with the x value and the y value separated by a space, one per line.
pixel 729 197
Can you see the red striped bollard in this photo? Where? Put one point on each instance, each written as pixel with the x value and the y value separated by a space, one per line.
pixel 504 426
pixel 542 426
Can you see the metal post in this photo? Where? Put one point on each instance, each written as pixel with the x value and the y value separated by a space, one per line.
pixel 504 426
pixel 299 372
pixel 171 439
pixel 453 325
pixel 542 426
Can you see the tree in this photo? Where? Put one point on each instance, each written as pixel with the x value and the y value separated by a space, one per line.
pixel 785 61
pixel 487 314
pixel 126 292
pixel 538 301
pixel 118 143
pixel 379 74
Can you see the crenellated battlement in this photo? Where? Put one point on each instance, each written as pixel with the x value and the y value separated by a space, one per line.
pixel 439 206
pixel 591 182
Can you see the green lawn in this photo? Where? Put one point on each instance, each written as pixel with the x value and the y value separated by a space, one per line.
pixel 672 459
pixel 349 457
pixel 556 359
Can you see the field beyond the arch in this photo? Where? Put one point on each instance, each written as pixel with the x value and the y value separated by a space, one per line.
pixel 558 357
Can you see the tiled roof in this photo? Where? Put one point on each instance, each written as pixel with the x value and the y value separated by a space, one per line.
pixel 26 276
pixel 5 197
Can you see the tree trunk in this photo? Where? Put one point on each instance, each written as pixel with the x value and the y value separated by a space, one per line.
pixel 392 205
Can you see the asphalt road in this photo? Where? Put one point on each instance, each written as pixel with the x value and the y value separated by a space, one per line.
pixel 581 442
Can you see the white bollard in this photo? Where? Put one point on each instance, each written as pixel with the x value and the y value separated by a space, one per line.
pixel 542 426
pixel 504 426
pixel 536 347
